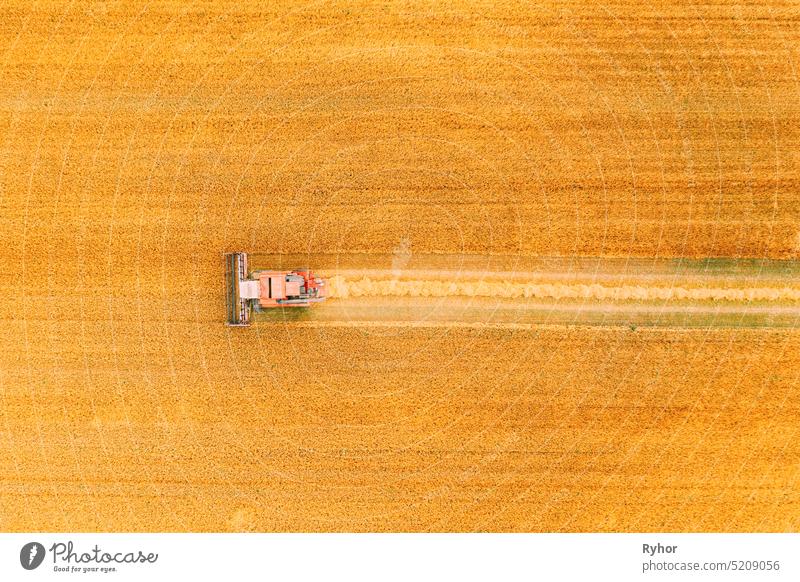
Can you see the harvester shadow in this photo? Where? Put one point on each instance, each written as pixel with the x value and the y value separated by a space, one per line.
pixel 282 314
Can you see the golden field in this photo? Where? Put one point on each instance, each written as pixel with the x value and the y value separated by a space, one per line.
pixel 140 141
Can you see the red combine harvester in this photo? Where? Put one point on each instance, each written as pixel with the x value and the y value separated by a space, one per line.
pixel 261 290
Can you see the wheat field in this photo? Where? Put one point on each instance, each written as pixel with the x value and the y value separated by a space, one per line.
pixel 141 141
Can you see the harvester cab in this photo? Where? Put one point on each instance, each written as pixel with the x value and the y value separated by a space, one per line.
pixel 261 290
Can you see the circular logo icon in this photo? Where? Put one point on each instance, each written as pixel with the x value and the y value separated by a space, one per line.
pixel 31 555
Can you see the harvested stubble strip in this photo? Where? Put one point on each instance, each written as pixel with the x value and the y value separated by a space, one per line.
pixel 342 287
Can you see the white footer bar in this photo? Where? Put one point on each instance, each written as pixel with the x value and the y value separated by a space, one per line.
pixel 413 557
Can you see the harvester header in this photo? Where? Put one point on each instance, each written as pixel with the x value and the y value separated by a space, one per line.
pixel 260 290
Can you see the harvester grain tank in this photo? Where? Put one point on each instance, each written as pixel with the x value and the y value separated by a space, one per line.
pixel 259 290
